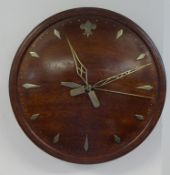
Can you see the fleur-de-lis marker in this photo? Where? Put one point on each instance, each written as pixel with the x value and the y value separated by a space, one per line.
pixel 88 27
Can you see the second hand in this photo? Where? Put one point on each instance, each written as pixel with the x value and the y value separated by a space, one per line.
pixel 123 93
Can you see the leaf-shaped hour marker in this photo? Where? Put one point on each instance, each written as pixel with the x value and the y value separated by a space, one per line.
pixel 117 139
pixel 30 86
pixel 139 117
pixel 57 34
pixel 86 144
pixel 145 87
pixel 56 138
pixel 119 33
pixel 35 116
pixel 141 56
pixel 34 54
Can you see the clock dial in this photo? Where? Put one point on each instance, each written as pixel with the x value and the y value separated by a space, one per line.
pixel 87 85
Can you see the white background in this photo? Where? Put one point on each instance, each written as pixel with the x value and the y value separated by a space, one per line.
pixel 18 155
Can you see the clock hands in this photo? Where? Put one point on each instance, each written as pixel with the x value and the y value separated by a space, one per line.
pixel 81 89
pixel 70 84
pixel 123 93
pixel 82 73
pixel 80 68
pixel 77 89
pixel 94 99
pixel 119 76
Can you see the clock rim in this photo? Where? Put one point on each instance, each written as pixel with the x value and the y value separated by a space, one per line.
pixel 69 14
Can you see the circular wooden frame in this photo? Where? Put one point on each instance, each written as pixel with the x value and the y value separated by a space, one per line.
pixel 59 17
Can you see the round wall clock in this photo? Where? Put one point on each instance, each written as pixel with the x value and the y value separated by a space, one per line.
pixel 87 85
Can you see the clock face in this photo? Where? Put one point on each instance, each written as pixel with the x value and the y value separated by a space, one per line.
pixel 87 85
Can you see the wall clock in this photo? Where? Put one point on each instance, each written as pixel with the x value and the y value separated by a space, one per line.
pixel 87 85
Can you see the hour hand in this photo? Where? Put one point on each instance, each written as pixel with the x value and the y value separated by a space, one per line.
pixel 70 84
pixel 77 91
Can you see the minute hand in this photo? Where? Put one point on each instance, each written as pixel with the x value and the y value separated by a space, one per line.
pixel 80 68
pixel 119 76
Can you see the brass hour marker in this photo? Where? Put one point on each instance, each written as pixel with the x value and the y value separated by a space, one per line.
pixel 86 144
pixel 119 34
pixel 30 86
pixel 117 139
pixel 35 117
pixel 145 87
pixel 141 56
pixel 139 117
pixel 34 54
pixel 57 34
pixel 56 138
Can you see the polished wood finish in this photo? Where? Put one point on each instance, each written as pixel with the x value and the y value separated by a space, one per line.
pixel 63 123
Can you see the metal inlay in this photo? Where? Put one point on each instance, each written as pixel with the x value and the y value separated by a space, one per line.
pixel 117 139
pixel 119 34
pixel 139 117
pixel 57 34
pixel 56 138
pixel 88 27
pixel 145 87
pixel 86 144
pixel 141 56
pixel 30 86
pixel 35 117
pixel 34 54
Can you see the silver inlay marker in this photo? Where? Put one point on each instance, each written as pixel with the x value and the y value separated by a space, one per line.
pixel 35 117
pixel 34 54
pixel 145 87
pixel 139 117
pixel 119 34
pixel 141 56
pixel 88 27
pixel 117 139
pixel 86 143
pixel 57 34
pixel 30 86
pixel 56 138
